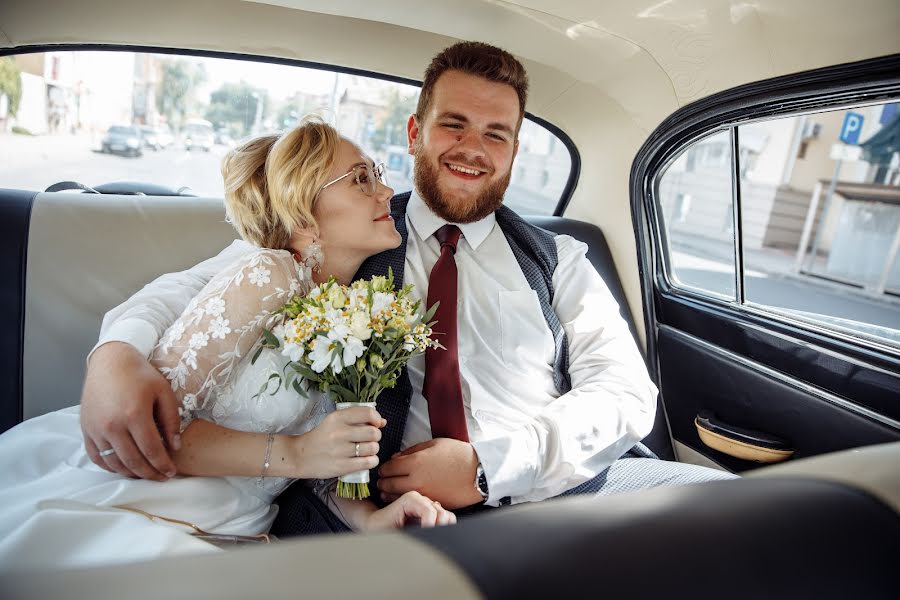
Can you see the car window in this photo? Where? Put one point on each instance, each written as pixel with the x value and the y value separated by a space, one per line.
pixel 696 210
pixel 819 221
pixel 192 109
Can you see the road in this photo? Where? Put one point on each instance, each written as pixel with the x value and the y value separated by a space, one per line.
pixel 37 162
pixel 793 293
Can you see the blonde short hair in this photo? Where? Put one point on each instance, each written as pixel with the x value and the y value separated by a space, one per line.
pixel 272 181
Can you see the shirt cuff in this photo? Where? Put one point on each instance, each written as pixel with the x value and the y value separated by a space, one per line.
pixel 510 464
pixel 140 334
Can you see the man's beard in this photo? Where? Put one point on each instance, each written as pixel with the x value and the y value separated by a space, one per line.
pixel 426 179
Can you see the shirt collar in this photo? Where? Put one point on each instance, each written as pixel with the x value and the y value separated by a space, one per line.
pixel 425 222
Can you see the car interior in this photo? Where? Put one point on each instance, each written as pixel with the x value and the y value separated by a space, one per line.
pixel 629 86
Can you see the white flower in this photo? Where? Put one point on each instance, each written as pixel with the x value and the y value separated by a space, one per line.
pixel 353 349
pixel 173 335
pixel 336 296
pixel 219 328
pixel 198 340
pixel 381 302
pixel 215 306
pixel 358 298
pixel 380 284
pixel 293 351
pixel 190 402
pixel 259 276
pixel 321 354
pixel 359 325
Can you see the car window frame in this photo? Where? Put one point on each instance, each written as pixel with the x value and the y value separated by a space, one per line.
pixel 837 87
pixel 574 156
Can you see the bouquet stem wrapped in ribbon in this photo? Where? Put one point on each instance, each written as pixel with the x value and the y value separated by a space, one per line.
pixel 351 342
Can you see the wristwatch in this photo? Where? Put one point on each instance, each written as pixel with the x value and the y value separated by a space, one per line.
pixel 481 482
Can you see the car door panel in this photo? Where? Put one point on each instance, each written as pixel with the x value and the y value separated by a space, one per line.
pixel 697 376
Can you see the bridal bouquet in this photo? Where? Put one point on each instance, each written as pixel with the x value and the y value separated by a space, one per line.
pixel 351 343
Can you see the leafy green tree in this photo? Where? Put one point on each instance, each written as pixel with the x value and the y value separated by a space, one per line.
pixel 391 131
pixel 288 116
pixel 175 94
pixel 234 106
pixel 11 83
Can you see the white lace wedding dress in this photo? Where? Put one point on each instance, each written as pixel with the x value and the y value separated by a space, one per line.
pixel 58 509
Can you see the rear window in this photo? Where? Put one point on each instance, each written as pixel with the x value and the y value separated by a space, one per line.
pixel 201 107
pixel 123 130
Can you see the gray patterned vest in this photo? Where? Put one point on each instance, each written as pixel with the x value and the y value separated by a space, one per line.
pixel 535 251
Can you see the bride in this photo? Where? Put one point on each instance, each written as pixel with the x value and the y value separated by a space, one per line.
pixel 290 196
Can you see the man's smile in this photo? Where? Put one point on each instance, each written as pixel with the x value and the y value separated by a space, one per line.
pixel 464 172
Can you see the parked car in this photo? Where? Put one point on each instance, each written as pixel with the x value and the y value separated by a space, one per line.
pixel 223 138
pixel 155 137
pixel 123 139
pixel 689 143
pixel 198 134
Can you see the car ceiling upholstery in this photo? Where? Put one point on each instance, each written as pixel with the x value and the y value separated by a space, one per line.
pixel 607 73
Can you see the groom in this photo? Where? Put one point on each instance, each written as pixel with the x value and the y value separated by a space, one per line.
pixel 541 390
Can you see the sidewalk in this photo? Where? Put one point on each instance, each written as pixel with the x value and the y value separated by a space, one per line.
pixel 779 263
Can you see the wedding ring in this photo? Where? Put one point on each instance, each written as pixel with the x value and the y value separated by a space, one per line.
pixel 107 452
pixel 357 449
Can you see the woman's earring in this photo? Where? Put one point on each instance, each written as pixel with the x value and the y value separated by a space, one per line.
pixel 312 256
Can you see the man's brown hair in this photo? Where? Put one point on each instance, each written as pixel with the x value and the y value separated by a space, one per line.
pixel 481 60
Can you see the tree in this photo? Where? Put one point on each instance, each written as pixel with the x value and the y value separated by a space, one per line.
pixel 234 105
pixel 11 83
pixel 180 79
pixel 391 131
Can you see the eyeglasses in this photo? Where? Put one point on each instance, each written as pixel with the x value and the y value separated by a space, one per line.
pixel 367 178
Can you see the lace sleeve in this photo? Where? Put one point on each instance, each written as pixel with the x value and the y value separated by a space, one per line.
pixel 200 351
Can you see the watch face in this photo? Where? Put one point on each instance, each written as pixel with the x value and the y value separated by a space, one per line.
pixel 481 482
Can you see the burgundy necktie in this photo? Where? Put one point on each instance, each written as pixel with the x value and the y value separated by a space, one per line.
pixel 442 388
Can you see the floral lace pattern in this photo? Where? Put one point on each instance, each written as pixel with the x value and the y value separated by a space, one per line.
pixel 201 353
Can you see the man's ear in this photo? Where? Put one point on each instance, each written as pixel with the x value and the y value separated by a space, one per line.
pixel 412 133
pixel 515 149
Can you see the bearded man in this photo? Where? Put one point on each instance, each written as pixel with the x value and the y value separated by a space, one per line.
pixel 540 390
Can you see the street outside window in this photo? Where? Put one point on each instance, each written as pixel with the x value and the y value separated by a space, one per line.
pixel 100 116
pixel 820 218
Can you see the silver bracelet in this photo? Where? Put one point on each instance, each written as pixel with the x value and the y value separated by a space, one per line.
pixel 270 438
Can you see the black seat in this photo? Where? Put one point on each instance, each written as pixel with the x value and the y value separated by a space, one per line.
pixel 15 213
pixel 598 253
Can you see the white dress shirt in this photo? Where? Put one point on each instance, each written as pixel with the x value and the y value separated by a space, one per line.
pixel 532 442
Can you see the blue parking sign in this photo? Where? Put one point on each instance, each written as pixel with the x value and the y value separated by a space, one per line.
pixel 851 127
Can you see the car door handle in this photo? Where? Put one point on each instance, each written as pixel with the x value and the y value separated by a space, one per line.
pixel 738 442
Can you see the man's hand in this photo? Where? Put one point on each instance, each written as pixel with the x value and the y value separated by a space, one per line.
pixel 124 405
pixel 441 469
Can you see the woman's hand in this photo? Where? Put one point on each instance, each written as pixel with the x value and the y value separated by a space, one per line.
pixel 345 442
pixel 412 508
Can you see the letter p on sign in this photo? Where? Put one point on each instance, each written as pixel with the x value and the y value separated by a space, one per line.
pixel 851 127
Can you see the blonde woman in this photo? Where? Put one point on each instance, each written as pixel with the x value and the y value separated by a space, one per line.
pixel 314 206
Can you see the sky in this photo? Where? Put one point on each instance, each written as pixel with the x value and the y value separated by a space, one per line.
pixel 281 81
